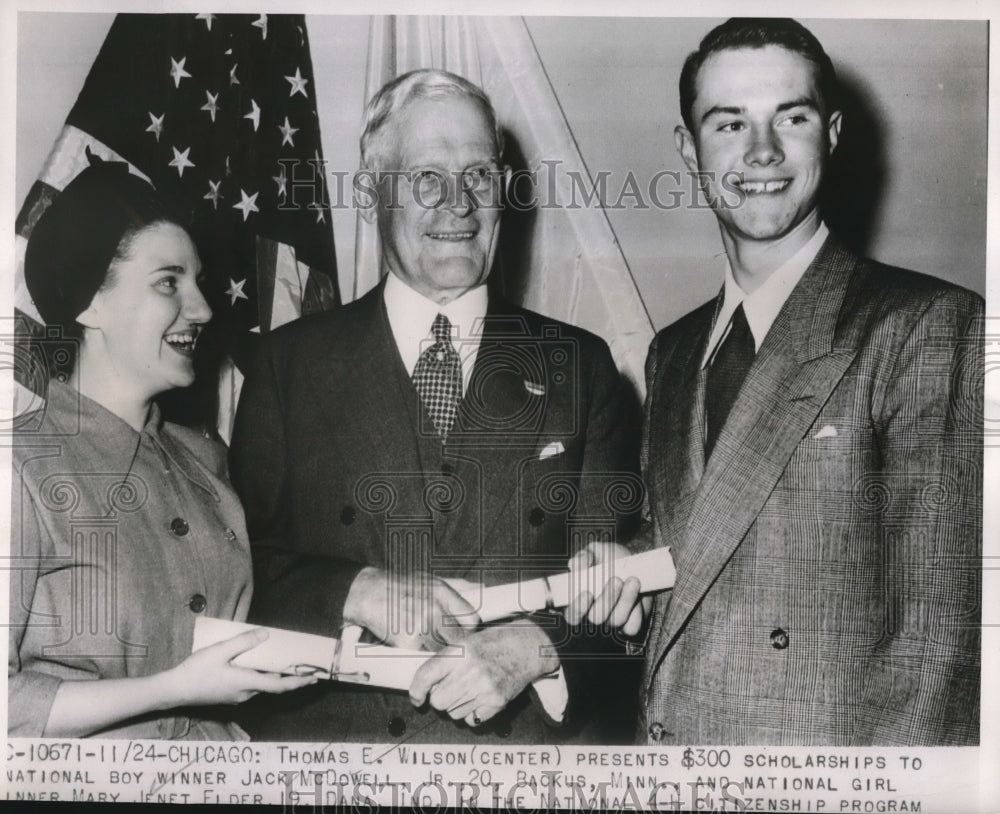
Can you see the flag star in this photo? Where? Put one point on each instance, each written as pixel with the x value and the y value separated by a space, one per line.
pixel 207 18
pixel 298 83
pixel 254 115
pixel 177 72
pixel 287 131
pixel 232 75
pixel 180 160
pixel 282 181
pixel 247 204
pixel 261 23
pixel 213 194
pixel 320 215
pixel 156 125
pixel 212 104
pixel 235 291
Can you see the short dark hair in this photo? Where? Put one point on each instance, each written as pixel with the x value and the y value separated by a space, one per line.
pixel 758 32
pixel 88 226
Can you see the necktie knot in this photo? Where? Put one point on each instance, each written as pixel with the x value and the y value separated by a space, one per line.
pixel 441 329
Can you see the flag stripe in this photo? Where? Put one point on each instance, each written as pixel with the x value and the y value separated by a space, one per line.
pixel 290 281
pixel 22 299
pixel 39 197
pixel 230 387
pixel 267 251
pixel 68 157
pixel 320 293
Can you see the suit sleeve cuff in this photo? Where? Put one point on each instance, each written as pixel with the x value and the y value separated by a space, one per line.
pixel 552 693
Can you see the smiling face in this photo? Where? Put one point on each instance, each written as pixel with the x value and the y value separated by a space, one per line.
pixel 142 326
pixel 761 136
pixel 439 208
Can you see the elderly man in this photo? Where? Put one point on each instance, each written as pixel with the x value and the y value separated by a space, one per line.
pixel 431 430
pixel 812 446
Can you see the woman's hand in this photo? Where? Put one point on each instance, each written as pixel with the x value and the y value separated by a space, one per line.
pixel 209 676
pixel 206 677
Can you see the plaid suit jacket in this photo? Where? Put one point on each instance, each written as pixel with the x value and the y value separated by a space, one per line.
pixel 828 586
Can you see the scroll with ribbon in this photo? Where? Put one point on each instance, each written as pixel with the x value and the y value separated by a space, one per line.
pixel 293 653
pixel 347 659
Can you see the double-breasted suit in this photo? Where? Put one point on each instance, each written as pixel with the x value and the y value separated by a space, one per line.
pixel 828 551
pixel 339 467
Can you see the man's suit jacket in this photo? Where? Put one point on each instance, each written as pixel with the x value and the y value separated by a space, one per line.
pixel 339 467
pixel 827 553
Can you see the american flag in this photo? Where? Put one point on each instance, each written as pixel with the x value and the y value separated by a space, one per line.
pixel 220 111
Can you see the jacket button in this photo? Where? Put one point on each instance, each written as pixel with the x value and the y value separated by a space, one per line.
pixel 656 732
pixel 503 729
pixel 347 515
pixel 231 535
pixel 198 603
pixel 396 727
pixel 179 526
pixel 779 639
pixel 536 516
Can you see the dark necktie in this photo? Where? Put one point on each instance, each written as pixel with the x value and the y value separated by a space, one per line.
pixel 726 374
pixel 438 377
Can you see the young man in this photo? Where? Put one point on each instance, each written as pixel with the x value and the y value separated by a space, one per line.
pixel 812 446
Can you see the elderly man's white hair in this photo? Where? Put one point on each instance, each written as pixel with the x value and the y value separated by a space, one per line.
pixel 426 83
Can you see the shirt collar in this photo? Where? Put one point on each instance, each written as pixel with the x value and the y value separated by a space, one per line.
pixel 411 315
pixel 763 305
pixel 73 412
pixel 70 413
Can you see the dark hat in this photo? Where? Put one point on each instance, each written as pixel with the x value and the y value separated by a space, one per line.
pixel 77 237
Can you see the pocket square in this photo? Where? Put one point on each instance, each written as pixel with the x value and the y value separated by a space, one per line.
pixel 551 450
pixel 534 389
pixel 829 431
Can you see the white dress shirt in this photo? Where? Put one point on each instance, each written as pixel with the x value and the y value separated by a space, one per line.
pixel 762 306
pixel 411 316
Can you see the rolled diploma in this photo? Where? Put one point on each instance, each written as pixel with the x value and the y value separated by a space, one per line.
pixel 291 653
pixel 378 665
pixel 654 569
pixel 288 651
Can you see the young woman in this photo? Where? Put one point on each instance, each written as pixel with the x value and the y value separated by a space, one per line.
pixel 124 527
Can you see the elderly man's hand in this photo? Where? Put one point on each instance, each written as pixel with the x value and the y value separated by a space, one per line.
pixel 619 603
pixel 478 677
pixel 413 610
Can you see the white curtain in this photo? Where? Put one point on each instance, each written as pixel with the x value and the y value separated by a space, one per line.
pixel 565 263
pixel 396 45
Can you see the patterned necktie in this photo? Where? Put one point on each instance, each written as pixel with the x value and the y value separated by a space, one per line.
pixel 726 374
pixel 438 377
